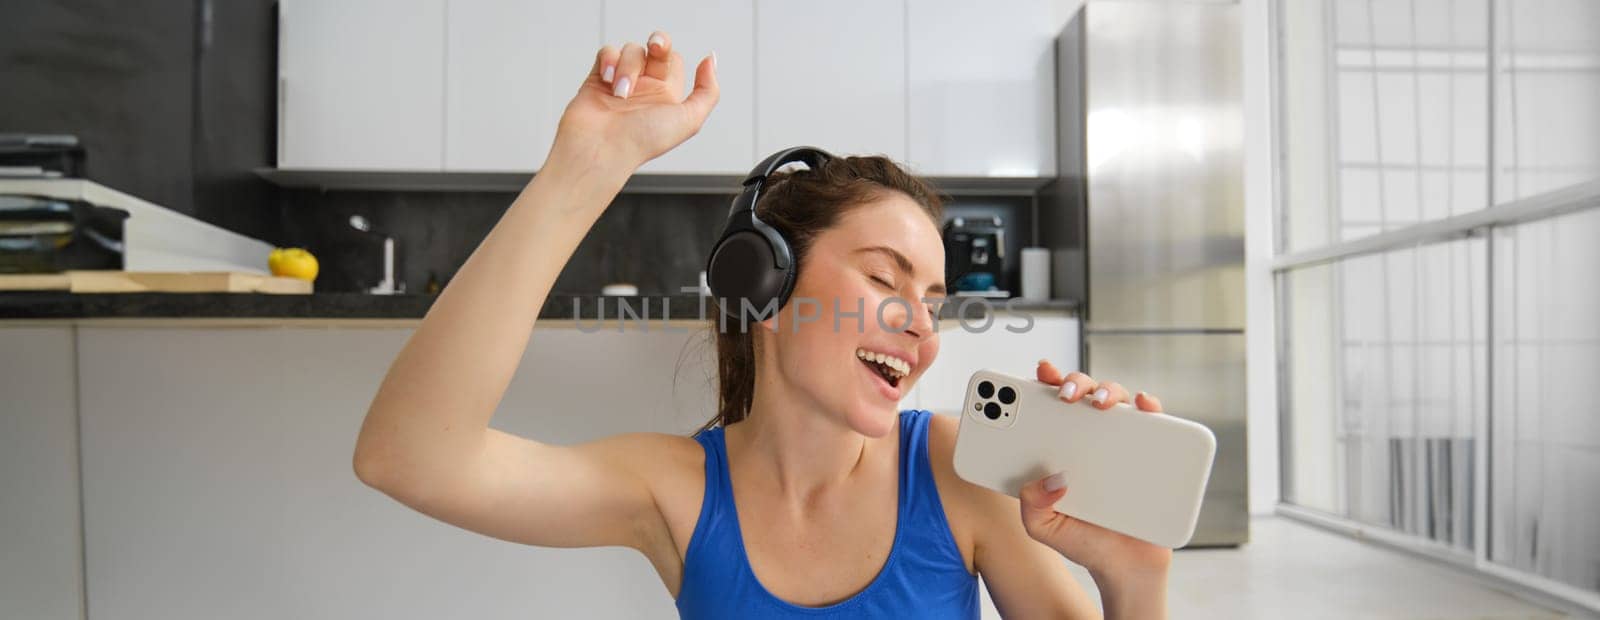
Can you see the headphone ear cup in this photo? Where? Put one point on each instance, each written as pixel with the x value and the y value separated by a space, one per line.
pixel 742 267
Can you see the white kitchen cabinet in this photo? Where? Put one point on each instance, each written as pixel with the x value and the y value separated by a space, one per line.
pixel 361 84
pixel 1052 335
pixel 217 477
pixel 41 553
pixel 511 67
pixel 982 86
pixel 831 74
pixel 725 144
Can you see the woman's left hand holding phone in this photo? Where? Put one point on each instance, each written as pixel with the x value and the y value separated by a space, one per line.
pixel 1130 573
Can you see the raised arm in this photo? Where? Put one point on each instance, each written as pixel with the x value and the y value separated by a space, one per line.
pixel 426 439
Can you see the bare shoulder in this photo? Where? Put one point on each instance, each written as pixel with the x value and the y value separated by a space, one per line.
pixel 659 449
pixel 967 506
pixel 674 467
pixel 663 457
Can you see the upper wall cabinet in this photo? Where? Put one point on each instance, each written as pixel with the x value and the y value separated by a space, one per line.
pixel 954 88
pixel 982 86
pixel 831 74
pixel 725 144
pixel 511 66
pixel 360 84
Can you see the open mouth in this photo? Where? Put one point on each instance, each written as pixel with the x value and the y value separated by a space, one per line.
pixel 891 368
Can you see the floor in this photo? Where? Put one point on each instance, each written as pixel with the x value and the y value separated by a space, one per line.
pixel 1294 570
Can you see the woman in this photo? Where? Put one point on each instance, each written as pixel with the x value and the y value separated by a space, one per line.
pixel 843 506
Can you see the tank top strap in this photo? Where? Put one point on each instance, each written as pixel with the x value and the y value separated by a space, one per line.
pixel 921 509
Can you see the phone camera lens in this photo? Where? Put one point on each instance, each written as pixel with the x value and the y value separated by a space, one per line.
pixel 985 389
pixel 1008 395
pixel 991 411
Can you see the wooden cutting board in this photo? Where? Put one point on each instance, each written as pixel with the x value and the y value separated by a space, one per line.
pixel 113 281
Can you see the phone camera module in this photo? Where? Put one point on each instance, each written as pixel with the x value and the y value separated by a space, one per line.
pixel 985 389
pixel 991 411
pixel 1008 395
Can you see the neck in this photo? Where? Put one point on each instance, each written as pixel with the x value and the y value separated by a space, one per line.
pixel 793 440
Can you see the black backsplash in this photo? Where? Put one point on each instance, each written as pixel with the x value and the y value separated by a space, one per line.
pixel 655 242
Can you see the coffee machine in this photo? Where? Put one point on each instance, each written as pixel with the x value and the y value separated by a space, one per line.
pixel 974 255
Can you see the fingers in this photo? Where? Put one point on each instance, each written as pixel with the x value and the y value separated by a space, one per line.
pixel 660 60
pixel 1108 395
pixel 657 48
pixel 1043 523
pixel 706 93
pixel 629 66
pixel 1049 374
pixel 658 44
pixel 1076 386
pixel 1146 402
pixel 1039 516
pixel 605 64
pixel 621 70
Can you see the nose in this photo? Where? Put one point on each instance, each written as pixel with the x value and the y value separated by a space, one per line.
pixel 921 323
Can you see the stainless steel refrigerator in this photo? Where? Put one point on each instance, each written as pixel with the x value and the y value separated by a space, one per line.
pixel 1151 119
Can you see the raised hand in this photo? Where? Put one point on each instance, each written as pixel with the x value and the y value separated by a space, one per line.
pixel 631 107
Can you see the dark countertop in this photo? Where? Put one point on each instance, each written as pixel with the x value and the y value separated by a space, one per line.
pixel 337 306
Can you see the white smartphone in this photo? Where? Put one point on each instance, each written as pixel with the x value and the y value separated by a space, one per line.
pixel 1142 474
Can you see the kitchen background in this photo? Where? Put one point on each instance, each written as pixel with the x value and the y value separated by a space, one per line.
pixel 1356 238
pixel 178 104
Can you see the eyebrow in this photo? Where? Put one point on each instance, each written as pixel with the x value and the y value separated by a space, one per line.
pixel 903 263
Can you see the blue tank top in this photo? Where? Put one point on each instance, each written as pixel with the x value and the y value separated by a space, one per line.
pixel 923 577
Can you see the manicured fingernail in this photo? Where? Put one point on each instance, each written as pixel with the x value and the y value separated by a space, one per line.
pixel 1101 395
pixel 609 72
pixel 656 40
pixel 1055 482
pixel 1067 390
pixel 622 88
pixel 713 60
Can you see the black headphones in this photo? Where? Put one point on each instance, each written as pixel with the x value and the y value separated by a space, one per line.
pixel 752 260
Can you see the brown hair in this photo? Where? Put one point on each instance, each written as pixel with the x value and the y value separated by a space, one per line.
pixel 801 205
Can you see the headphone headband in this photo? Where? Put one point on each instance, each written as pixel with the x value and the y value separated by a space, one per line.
pixel 757 179
pixel 756 262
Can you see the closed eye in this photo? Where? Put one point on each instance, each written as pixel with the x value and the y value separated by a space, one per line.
pixel 882 282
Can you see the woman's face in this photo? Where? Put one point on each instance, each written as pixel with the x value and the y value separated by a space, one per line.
pixel 881 259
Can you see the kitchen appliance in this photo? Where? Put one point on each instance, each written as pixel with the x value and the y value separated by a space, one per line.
pixel 974 254
pixel 41 155
pixel 1150 121
pixel 40 234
